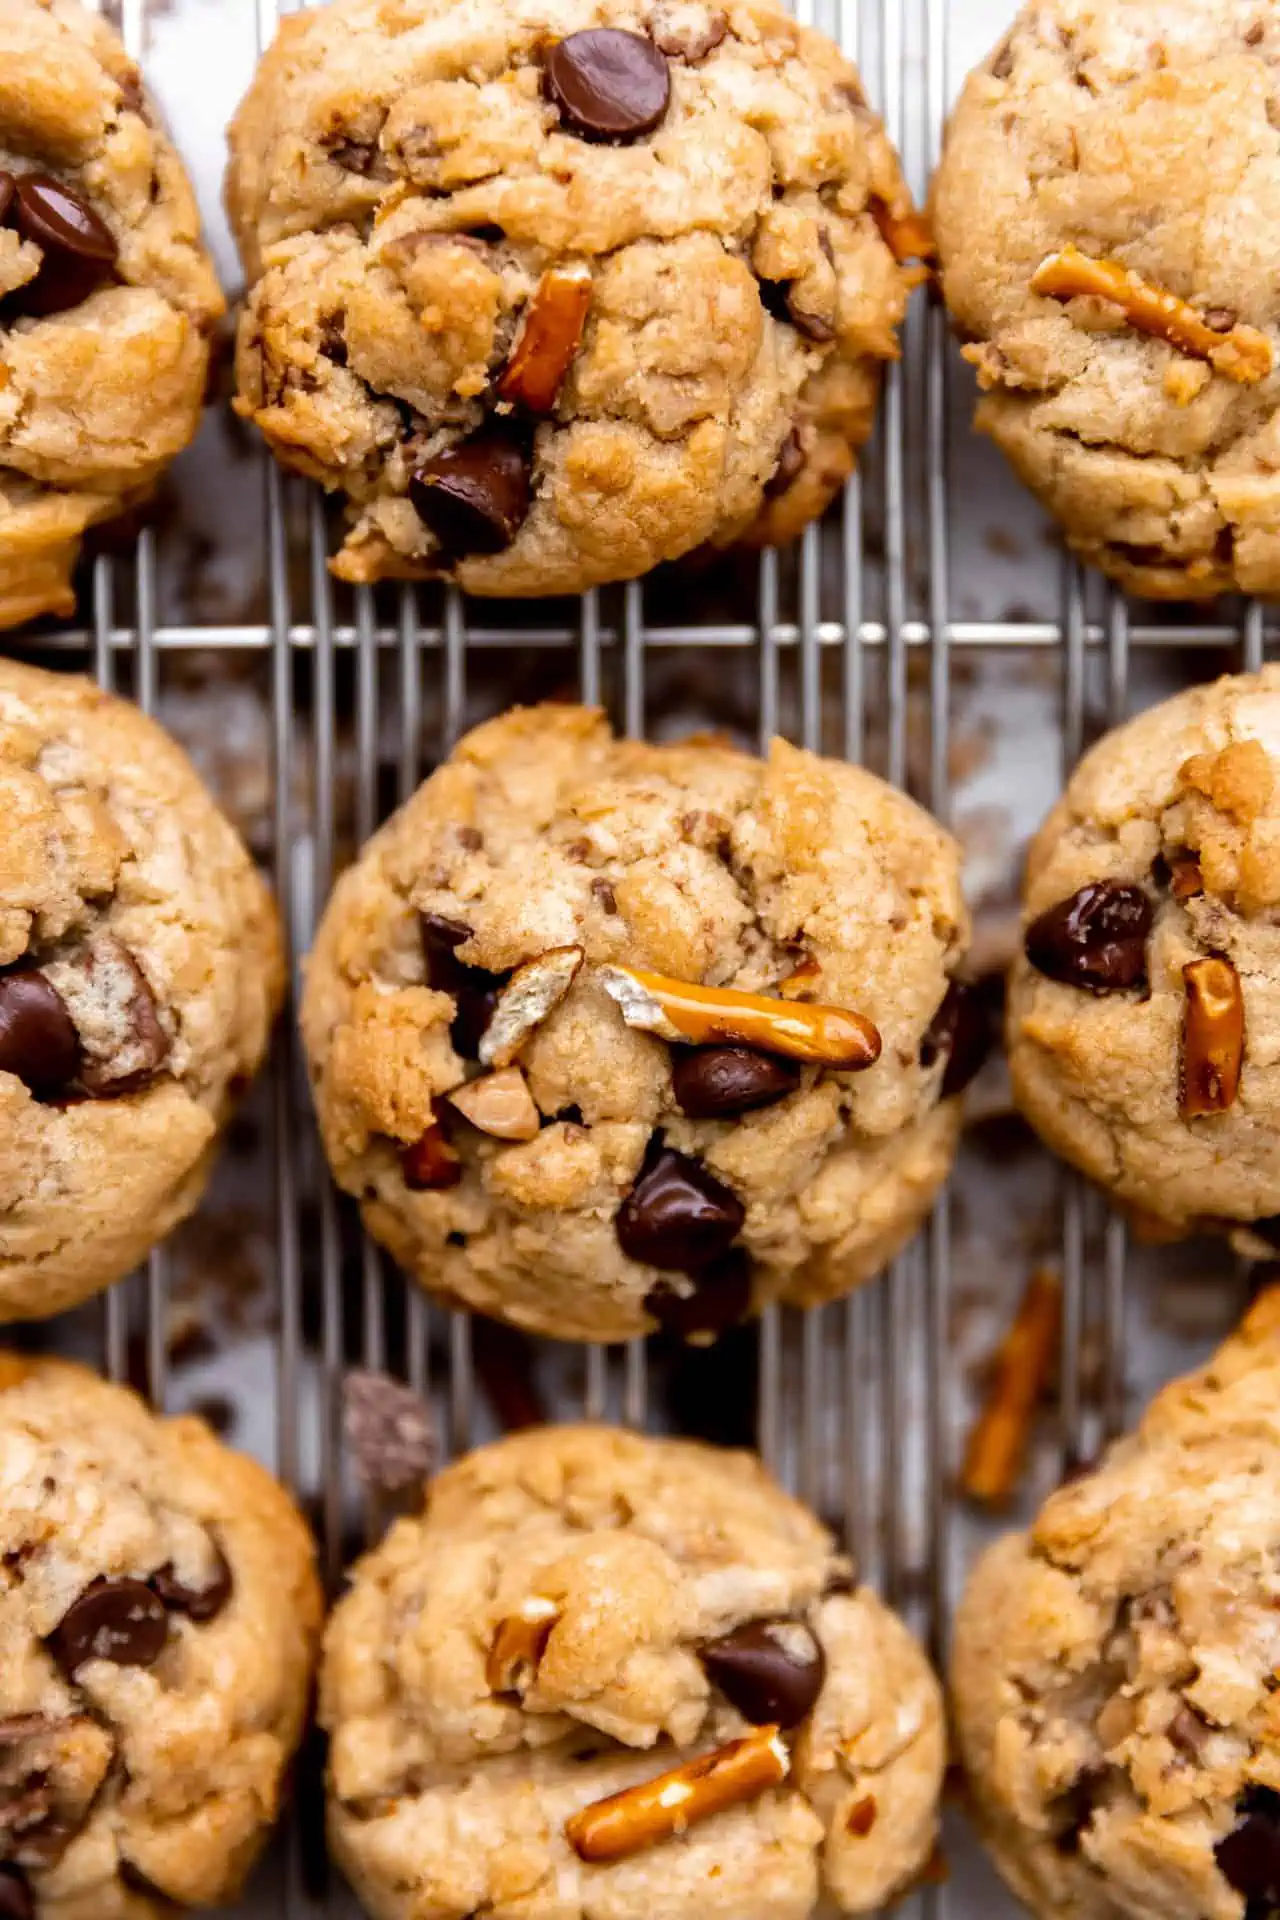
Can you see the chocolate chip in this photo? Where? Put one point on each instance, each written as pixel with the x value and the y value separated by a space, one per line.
pixel 1071 1812
pixel 474 497
pixel 38 1041
pixel 961 1030
pixel 678 1215
pixel 770 1670
pixel 117 1620
pixel 16 1902
pixel 440 936
pixel 718 1299
pixel 789 468
pixel 79 248
pixel 388 1429
pixel 8 188
pixel 198 1603
pixel 1249 1856
pixel 777 297
pixel 1096 939
pixel 1268 1229
pixel 474 989
pixel 608 84
pixel 712 1082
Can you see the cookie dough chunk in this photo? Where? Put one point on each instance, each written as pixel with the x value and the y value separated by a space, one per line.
pixel 107 298
pixel 1115 1668
pixel 605 1674
pixel 554 293
pixel 159 1617
pixel 1116 292
pixel 1144 1008
pixel 605 1035
pixel 140 968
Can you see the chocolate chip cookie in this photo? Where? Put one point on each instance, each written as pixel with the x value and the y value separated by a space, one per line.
pixel 632 1671
pixel 1114 1669
pixel 555 293
pixel 1144 1008
pixel 607 1036
pixel 1116 291
pixel 107 297
pixel 140 968
pixel 159 1616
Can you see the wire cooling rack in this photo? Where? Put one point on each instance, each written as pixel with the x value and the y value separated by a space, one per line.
pixel 931 628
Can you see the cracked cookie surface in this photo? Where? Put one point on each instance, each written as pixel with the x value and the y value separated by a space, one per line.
pixel 540 342
pixel 140 968
pixel 591 1178
pixel 1114 1668
pixel 159 1617
pixel 1087 128
pixel 545 1635
pixel 109 297
pixel 1173 820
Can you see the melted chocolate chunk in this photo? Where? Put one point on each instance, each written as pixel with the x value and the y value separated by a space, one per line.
pixel 719 1298
pixel 961 1031
pixel 79 248
pixel 1096 939
pixel 1249 1856
pixel 38 1041
pixel 770 1670
pixel 198 1603
pixel 474 497
pixel 119 1620
pixel 678 1215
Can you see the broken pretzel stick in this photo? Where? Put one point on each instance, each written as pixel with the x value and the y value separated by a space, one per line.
pixel 677 1010
pixel 548 338
pixel 908 235
pixel 533 992
pixel 1239 352
pixel 1212 1037
pixel 1023 1362
pixel 625 1822
pixel 519 1643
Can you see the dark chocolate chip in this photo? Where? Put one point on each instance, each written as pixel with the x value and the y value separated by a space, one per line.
pixel 16 1901
pixel 1249 1856
pixel 608 84
pixel 712 1082
pixel 439 938
pixel 770 1670
pixel 38 1041
pixel 198 1603
pixel 117 1620
pixel 8 188
pixel 961 1030
pixel 789 468
pixel 79 248
pixel 388 1429
pixel 1072 1812
pixel 474 497
pixel 678 1215
pixel 475 989
pixel 719 1298
pixel 1268 1229
pixel 777 297
pixel 1096 939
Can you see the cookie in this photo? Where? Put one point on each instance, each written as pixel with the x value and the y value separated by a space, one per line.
pixel 1116 292
pixel 1144 1006
pixel 1114 1668
pixel 606 1035
pixel 140 968
pixel 554 293
pixel 159 1617
pixel 606 1674
pixel 109 299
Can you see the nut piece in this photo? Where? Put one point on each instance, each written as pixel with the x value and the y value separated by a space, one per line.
pixel 623 1823
pixel 1212 1037
pixel 518 1644
pixel 1023 1362
pixel 1239 352
pixel 708 1016
pixel 548 338
pixel 533 991
pixel 500 1104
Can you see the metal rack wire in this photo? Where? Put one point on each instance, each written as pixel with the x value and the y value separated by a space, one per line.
pixel 853 645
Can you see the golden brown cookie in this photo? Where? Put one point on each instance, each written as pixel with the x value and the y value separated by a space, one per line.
pixel 1144 1007
pixel 1114 1668
pixel 109 297
pixel 555 293
pixel 605 1034
pixel 1116 292
pixel 632 1671
pixel 140 969
pixel 159 1616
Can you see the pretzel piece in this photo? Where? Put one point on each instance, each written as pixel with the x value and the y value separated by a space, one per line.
pixel 1241 353
pixel 679 1011
pixel 1212 1037
pixel 624 1823
pixel 998 1441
